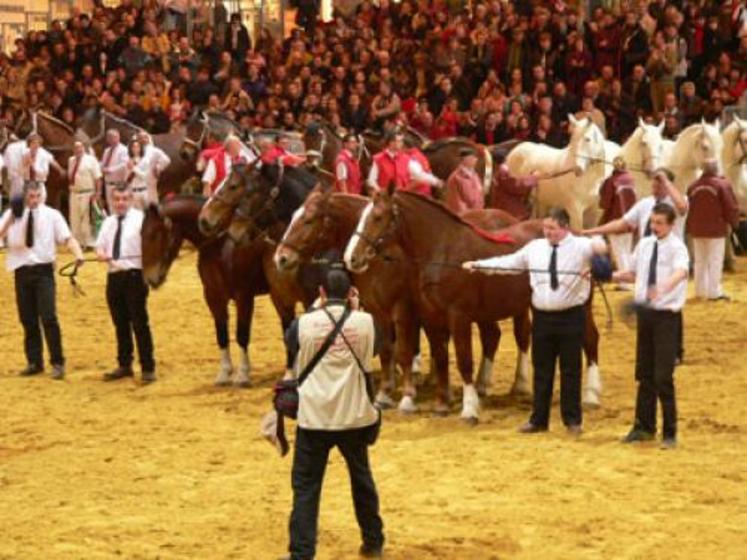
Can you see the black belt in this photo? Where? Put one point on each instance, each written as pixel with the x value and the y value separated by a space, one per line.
pixel 555 313
pixel 128 271
pixel 43 266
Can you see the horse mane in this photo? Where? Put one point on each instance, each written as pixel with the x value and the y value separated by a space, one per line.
pixel 56 121
pixel 120 120
pixel 730 135
pixel 442 142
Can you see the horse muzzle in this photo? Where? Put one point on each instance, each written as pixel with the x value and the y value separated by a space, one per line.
pixel 285 259
pixel 207 227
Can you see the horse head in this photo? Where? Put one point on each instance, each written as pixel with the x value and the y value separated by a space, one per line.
pixel 218 210
pixel 709 143
pixel 651 146
pixel 160 245
pixel 24 124
pixel 375 231
pixel 309 230
pixel 195 132
pixel 587 144
pixel 741 140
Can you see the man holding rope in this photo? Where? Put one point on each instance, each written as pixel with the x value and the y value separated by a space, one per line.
pixel 557 266
pixel 33 234
pixel 119 244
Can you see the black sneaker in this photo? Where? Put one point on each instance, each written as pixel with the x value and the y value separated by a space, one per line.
pixel 119 373
pixel 637 435
pixel 31 369
pixel 371 551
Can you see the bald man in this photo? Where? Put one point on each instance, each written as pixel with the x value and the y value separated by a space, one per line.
pixel 713 208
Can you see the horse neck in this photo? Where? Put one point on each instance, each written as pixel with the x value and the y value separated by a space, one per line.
pixel 345 211
pixel 183 214
pixel 730 149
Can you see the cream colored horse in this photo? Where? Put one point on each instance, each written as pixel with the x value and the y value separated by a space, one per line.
pixel 693 147
pixel 573 173
pixel 643 153
pixel 734 159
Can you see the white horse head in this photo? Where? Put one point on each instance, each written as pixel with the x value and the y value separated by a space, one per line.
pixel 709 143
pixel 734 158
pixel 740 142
pixel 587 144
pixel 650 145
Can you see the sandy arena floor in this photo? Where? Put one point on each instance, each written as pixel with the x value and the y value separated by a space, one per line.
pixel 177 469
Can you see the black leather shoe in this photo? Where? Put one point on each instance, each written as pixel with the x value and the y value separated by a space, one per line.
pixel 148 377
pixel 58 372
pixel 637 435
pixel 31 369
pixel 574 430
pixel 371 551
pixel 119 373
pixel 530 428
pixel 669 443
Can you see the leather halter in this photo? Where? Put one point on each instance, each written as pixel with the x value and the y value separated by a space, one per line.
pixel 390 232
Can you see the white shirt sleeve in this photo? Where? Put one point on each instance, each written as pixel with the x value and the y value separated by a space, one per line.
pixel 96 168
pixel 681 258
pixel 515 263
pixel 162 162
pixel 421 175
pixel 632 216
pixel 341 171
pixel 373 177
pixel 210 173
pixel 61 229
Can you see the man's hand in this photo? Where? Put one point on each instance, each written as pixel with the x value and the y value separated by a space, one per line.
pixel 469 266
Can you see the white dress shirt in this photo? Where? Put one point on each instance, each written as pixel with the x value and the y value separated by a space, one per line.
pixel 13 156
pixel 333 396
pixel 50 230
pixel 211 171
pixel 87 174
pixel 420 175
pixel 574 254
pixel 640 215
pixel 138 183
pixel 130 240
pixel 670 257
pixel 41 163
pixel 156 161
pixel 114 167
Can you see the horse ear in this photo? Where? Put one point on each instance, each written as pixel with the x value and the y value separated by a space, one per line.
pixel 641 123
pixel 660 126
pixel 572 119
pixel 717 124
pixel 740 123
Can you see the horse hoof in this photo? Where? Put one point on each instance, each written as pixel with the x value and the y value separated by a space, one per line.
pixel 242 384
pixel 407 405
pixel 384 402
pixel 471 421
pixel 591 401
pixel 482 391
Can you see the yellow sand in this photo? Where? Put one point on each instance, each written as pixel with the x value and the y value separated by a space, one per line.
pixel 177 469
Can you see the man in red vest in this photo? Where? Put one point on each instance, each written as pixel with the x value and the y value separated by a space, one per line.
pixel 509 193
pixel 464 187
pixel 713 208
pixel 220 163
pixel 389 165
pixel 422 179
pixel 347 168
pixel 616 197
pixel 280 152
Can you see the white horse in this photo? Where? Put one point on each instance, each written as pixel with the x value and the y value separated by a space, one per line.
pixel 734 159
pixel 694 146
pixel 574 173
pixel 643 153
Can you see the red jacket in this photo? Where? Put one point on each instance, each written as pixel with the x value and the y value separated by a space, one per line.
pixel 275 153
pixel 464 191
pixel 616 196
pixel 353 168
pixel 218 157
pixel 392 169
pixel 510 193
pixel 713 207
pixel 420 188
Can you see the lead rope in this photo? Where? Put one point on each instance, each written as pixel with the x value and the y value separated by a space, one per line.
pixel 70 271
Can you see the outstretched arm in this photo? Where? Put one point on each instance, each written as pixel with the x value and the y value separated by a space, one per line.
pixel 515 263
pixel 615 226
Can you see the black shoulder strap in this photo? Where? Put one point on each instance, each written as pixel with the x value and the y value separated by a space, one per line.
pixel 366 373
pixel 325 345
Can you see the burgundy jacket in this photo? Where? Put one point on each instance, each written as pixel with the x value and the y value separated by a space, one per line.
pixel 713 207
pixel 616 196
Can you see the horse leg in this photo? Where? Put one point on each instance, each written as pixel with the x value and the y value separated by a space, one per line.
pixel 386 356
pixel 404 345
pixel 522 334
pixel 490 337
pixel 462 332
pixel 593 387
pixel 244 314
pixel 219 310
pixel 438 339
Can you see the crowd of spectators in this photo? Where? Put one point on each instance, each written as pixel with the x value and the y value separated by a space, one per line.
pixel 494 71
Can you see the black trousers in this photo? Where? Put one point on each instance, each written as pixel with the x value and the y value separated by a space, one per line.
pixel 557 336
pixel 35 299
pixel 657 346
pixel 312 449
pixel 127 296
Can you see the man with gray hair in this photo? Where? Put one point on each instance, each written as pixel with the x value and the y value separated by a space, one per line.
pixel 33 232
pixel 713 208
pixel 84 177
pixel 114 163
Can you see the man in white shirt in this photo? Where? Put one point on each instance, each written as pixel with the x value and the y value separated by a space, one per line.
pixel 335 410
pixel 37 161
pixel 33 234
pixel 119 244
pixel 114 163
pixel 13 157
pixel 157 162
pixel 220 164
pixel 84 176
pixel 557 268
pixel 659 268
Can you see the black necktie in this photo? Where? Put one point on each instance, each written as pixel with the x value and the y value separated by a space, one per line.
pixel 554 283
pixel 30 230
pixel 647 231
pixel 652 265
pixel 117 239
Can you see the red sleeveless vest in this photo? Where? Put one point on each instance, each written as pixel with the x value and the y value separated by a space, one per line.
pixel 354 172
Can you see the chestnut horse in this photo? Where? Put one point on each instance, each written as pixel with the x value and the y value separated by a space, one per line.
pixel 228 272
pixel 327 221
pixel 436 242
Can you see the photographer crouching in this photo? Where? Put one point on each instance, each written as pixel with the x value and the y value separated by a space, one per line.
pixel 336 344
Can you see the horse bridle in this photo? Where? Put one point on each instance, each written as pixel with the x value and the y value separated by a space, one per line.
pixel 390 232
pixel 267 207
pixel 197 144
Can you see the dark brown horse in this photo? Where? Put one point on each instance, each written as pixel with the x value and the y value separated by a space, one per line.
pixel 437 241
pixel 92 129
pixel 228 272
pixel 327 221
pixel 443 155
